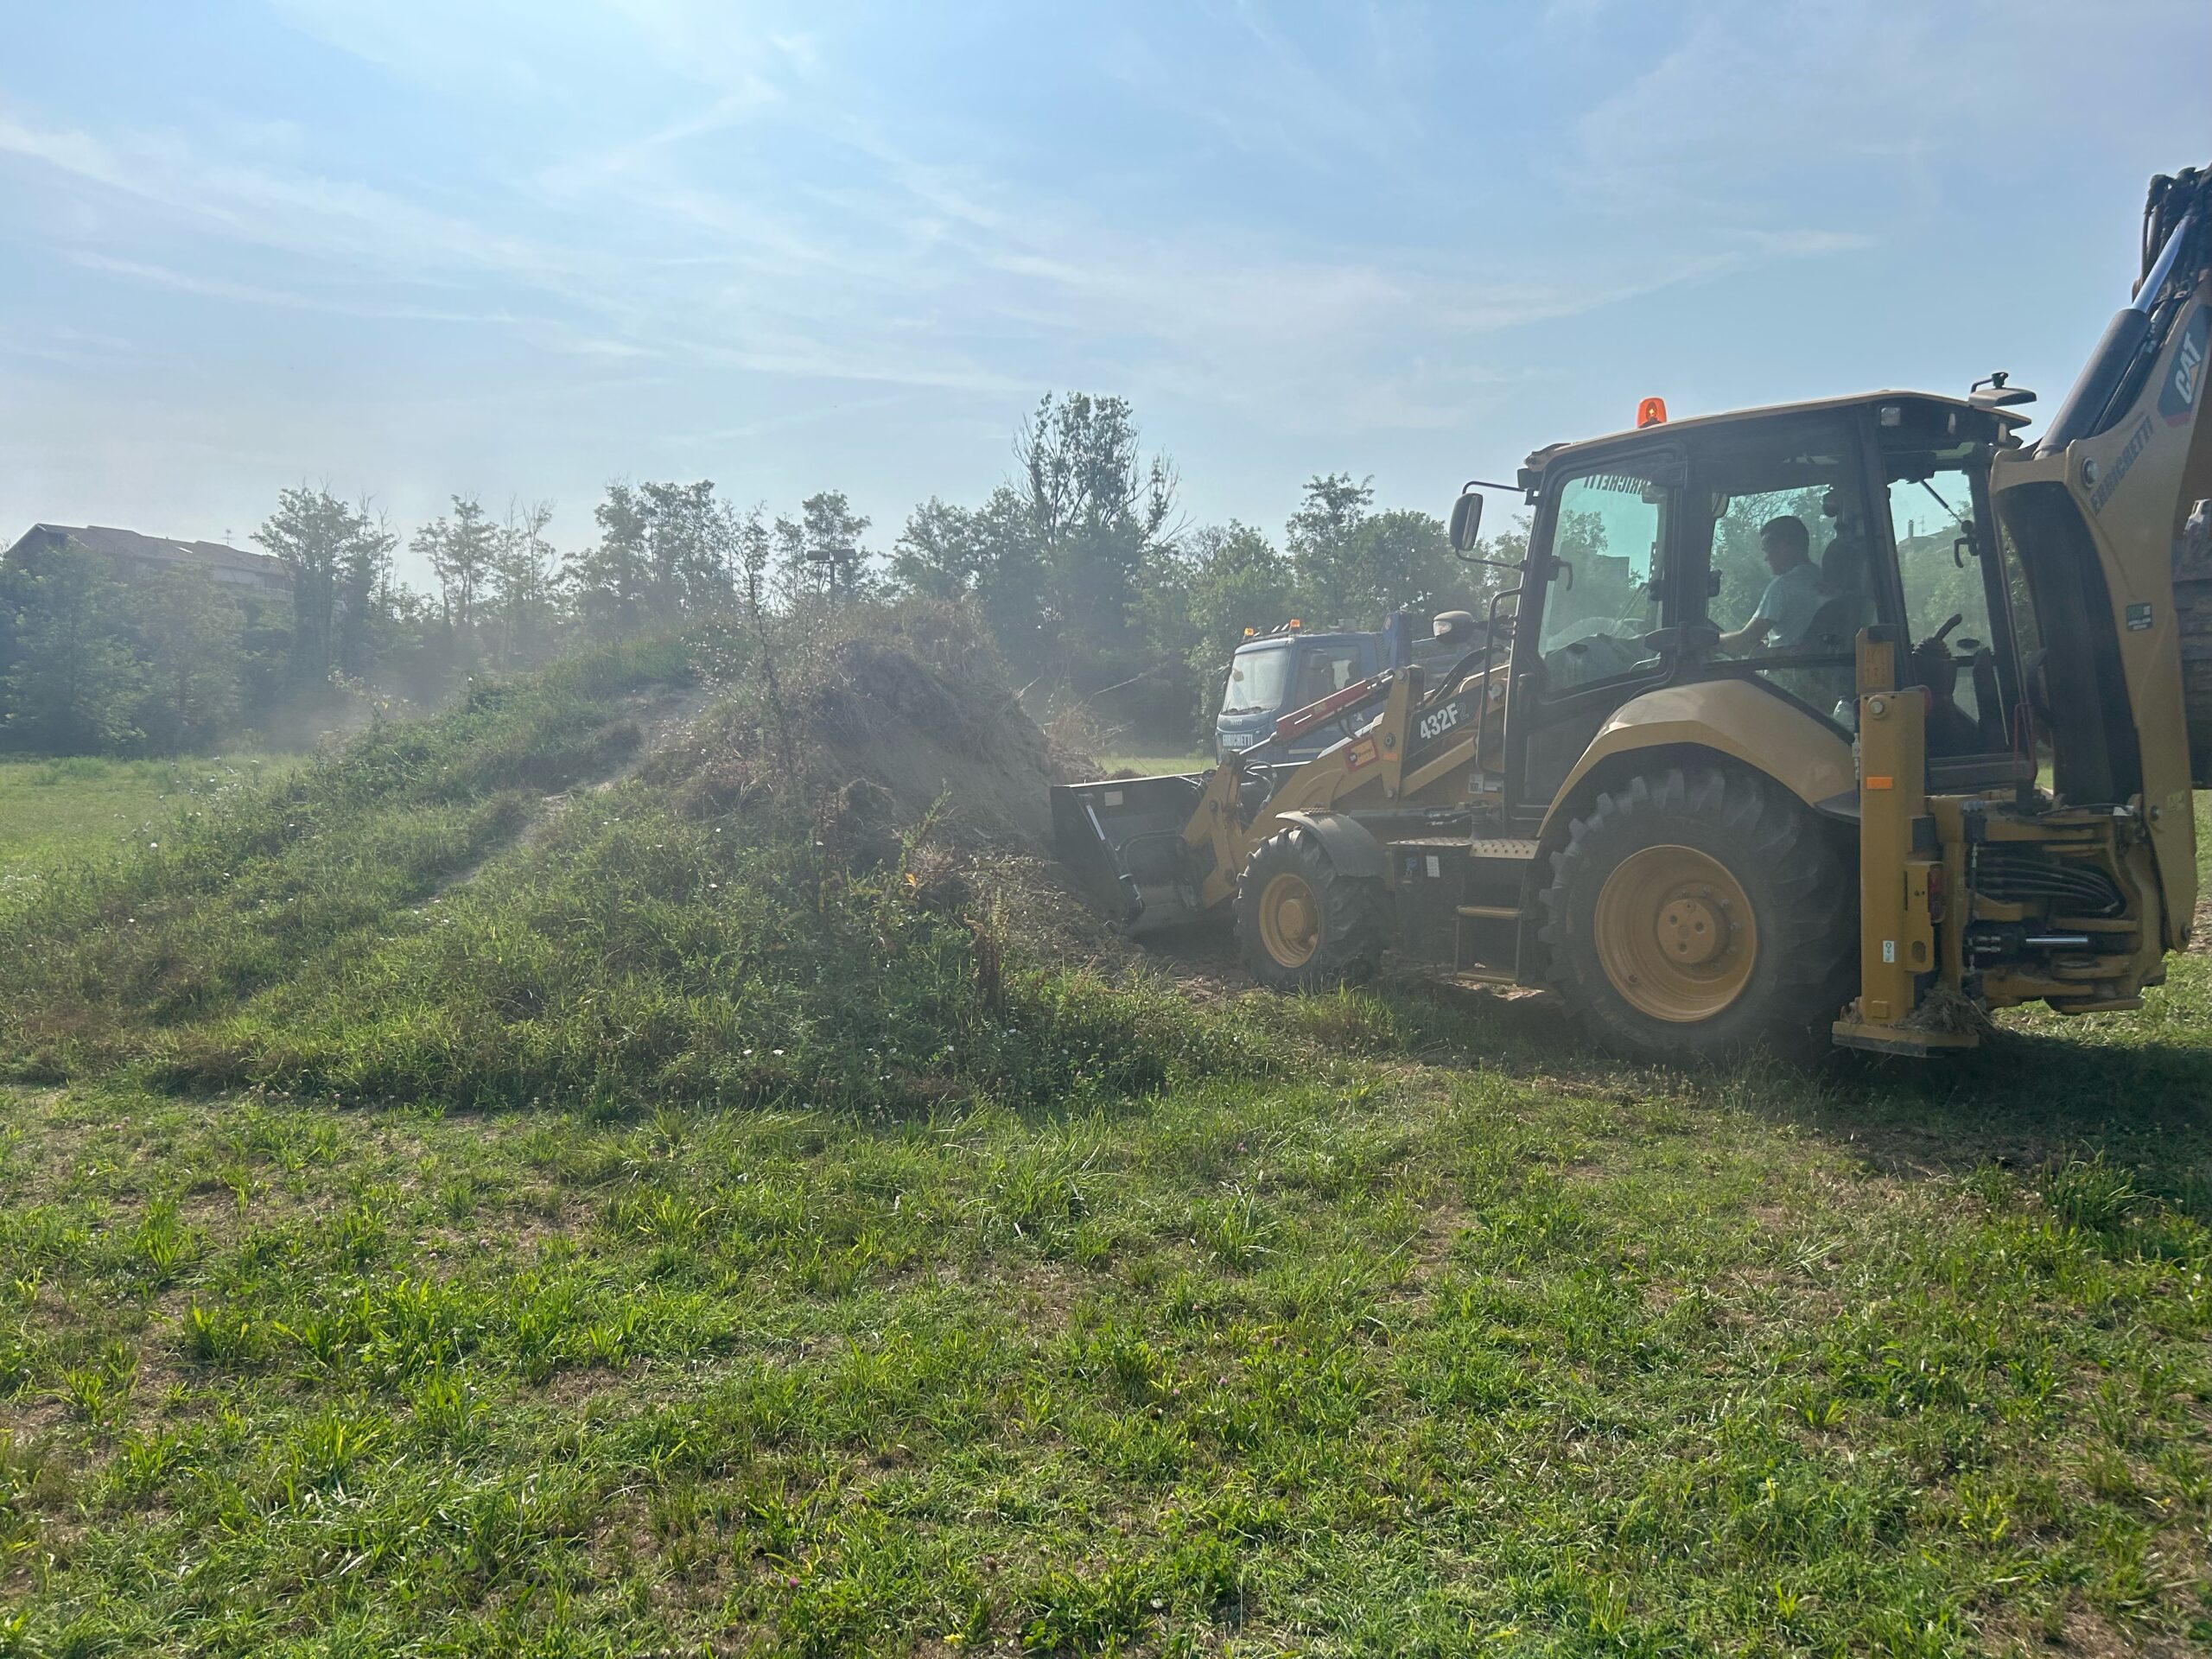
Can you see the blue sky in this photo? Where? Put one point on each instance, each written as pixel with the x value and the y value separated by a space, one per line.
pixel 520 247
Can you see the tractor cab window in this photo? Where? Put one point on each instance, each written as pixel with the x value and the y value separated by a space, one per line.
pixel 1790 573
pixel 1604 588
pixel 1940 563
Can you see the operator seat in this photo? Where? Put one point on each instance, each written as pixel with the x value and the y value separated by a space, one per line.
pixel 1834 626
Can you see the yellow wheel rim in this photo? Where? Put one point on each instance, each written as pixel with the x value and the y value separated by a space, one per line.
pixel 1290 920
pixel 1675 934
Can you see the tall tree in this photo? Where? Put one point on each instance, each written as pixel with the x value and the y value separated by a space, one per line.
pixel 72 678
pixel 1097 508
pixel 1324 538
pixel 938 554
pixel 1082 459
pixel 666 551
pixel 363 583
pixel 609 583
pixel 318 538
pixel 189 629
pixel 690 535
pixel 1355 565
pixel 819 553
pixel 522 584
pixel 461 552
pixel 990 555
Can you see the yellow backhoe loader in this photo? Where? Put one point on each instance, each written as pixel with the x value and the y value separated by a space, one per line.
pixel 1850 719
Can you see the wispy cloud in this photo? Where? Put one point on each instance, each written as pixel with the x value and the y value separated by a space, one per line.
pixel 260 294
pixel 294 211
pixel 791 227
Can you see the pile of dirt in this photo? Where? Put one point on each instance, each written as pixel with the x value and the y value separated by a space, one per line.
pixel 877 728
pixel 964 748
pixel 885 725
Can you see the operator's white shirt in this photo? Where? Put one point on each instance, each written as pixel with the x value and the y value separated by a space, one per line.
pixel 1792 599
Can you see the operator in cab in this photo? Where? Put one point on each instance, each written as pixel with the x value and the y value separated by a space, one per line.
pixel 1794 595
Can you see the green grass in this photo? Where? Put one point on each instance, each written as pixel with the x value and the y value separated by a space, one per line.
pixel 89 807
pixel 671 1240
pixel 1148 765
pixel 1405 1355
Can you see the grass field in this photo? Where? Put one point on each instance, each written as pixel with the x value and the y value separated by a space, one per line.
pixel 88 806
pixel 1147 766
pixel 648 1246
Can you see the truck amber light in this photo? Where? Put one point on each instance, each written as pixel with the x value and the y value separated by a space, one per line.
pixel 1652 411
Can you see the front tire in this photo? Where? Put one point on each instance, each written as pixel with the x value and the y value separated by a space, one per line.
pixel 1302 924
pixel 1696 912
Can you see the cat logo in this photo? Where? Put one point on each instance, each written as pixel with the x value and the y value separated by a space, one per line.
pixel 2178 396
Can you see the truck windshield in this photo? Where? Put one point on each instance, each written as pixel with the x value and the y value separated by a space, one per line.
pixel 1256 680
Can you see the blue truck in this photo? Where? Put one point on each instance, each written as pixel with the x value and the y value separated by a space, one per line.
pixel 1292 666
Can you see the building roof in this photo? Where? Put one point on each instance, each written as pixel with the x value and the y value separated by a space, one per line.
pixel 163 549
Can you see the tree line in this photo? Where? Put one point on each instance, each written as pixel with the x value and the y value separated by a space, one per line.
pixel 1078 563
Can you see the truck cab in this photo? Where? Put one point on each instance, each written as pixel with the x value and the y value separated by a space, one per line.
pixel 1273 674
pixel 1277 674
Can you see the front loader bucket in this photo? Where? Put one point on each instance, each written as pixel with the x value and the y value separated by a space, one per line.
pixel 1123 838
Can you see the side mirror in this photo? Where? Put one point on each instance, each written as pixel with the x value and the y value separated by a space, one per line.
pixel 1467 520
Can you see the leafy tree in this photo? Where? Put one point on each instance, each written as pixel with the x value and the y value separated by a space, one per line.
pixel 1355 566
pixel 990 555
pixel 1406 562
pixel 819 553
pixel 364 583
pixel 1237 580
pixel 326 545
pixel 1098 508
pixel 665 551
pixel 1199 599
pixel 72 678
pixel 189 629
pixel 461 552
pixel 609 584
pixel 691 548
pixel 938 555
pixel 522 585
pixel 1324 537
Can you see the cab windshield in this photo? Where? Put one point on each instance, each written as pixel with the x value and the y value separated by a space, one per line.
pixel 1257 678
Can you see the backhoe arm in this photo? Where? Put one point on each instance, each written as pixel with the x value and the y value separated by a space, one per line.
pixel 2096 512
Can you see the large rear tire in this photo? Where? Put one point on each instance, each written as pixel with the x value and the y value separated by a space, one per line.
pixel 1304 925
pixel 1697 912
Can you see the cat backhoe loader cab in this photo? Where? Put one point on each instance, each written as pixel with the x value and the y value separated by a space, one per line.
pixel 1757 752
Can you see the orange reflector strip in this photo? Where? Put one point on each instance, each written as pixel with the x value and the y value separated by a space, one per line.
pixel 1881 783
